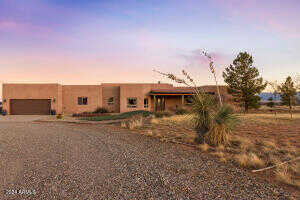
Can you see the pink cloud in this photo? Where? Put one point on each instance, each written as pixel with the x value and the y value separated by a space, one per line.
pixel 271 15
pixel 196 57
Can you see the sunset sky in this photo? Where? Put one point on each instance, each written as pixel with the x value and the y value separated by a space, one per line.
pixel 94 41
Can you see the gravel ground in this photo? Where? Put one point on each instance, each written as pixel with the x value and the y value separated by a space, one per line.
pixel 73 161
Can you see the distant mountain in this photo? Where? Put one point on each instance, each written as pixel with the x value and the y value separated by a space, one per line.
pixel 266 95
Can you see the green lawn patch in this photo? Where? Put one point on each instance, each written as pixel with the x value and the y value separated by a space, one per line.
pixel 120 116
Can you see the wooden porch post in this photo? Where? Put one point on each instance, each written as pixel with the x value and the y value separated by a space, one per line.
pixel 182 101
pixel 154 98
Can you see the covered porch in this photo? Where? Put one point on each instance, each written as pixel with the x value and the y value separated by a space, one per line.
pixel 170 99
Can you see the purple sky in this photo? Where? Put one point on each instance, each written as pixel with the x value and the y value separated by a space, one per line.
pixel 89 42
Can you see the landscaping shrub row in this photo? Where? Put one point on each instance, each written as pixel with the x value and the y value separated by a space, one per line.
pixel 120 116
pixel 98 112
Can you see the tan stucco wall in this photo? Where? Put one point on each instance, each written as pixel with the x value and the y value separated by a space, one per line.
pixel 140 91
pixel 66 96
pixel 109 91
pixel 71 93
pixel 32 91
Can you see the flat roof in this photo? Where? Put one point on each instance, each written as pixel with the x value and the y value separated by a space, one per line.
pixel 175 91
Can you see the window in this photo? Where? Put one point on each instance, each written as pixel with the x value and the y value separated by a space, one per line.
pixel 132 102
pixel 188 100
pixel 146 104
pixel 82 100
pixel 110 101
pixel 211 93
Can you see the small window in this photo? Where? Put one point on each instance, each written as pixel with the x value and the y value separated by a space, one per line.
pixel 211 93
pixel 82 100
pixel 188 100
pixel 110 101
pixel 146 105
pixel 79 100
pixel 131 102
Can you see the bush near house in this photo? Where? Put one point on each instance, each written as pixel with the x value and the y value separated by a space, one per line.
pixel 162 114
pixel 101 110
pixel 180 111
pixel 125 115
pixel 98 112
pixel 59 116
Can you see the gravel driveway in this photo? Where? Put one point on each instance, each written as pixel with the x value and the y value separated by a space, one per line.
pixel 72 161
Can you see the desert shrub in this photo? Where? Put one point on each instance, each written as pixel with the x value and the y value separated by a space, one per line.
pixel 203 147
pixel 154 121
pixel 59 116
pixel 162 114
pixel 250 160
pixel 243 143
pixel 101 110
pixel 283 175
pixel 134 122
pixel 180 111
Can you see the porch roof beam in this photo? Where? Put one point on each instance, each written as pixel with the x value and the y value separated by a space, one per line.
pixel 179 94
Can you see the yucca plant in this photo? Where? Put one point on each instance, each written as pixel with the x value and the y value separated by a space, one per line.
pixel 202 109
pixel 212 121
pixel 223 123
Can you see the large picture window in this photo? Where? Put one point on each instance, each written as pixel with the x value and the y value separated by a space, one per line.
pixel 82 100
pixel 132 102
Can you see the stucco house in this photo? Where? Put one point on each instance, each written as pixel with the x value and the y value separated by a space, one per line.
pixel 30 99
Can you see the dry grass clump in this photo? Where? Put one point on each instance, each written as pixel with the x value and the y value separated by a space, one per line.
pixel 155 121
pixel 221 155
pixel 241 159
pixel 270 144
pixel 241 142
pixel 295 167
pixel 204 147
pixel 249 160
pixel 149 133
pixel 273 160
pixel 267 146
pixel 220 148
pixel 134 122
pixel 283 175
pixel 178 119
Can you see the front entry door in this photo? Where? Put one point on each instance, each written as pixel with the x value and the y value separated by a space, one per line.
pixel 160 104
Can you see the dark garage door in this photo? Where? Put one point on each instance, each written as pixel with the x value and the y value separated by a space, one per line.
pixel 30 106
